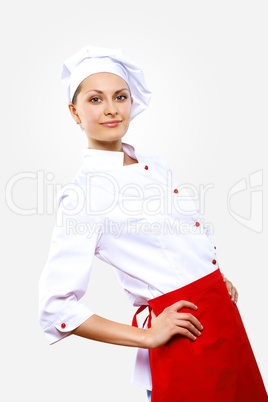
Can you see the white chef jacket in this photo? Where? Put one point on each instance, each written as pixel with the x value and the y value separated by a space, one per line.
pixel 137 218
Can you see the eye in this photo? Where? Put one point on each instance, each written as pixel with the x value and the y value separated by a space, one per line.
pixel 121 97
pixel 95 100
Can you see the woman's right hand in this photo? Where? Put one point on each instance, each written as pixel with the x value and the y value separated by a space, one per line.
pixel 171 322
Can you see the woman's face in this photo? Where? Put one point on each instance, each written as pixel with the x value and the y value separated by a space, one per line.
pixel 103 107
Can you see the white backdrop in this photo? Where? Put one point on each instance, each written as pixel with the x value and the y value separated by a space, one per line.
pixel 206 64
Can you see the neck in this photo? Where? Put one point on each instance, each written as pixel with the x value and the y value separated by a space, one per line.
pixel 115 145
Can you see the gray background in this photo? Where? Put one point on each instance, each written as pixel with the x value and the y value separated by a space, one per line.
pixel 206 64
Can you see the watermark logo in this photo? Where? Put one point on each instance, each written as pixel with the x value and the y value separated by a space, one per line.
pixel 135 227
pixel 151 199
pixel 252 188
pixel 132 198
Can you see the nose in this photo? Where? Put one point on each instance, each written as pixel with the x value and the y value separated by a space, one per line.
pixel 110 108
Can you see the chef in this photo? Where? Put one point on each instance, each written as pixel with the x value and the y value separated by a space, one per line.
pixel 126 208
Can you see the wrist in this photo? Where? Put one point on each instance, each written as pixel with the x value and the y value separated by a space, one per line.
pixel 146 339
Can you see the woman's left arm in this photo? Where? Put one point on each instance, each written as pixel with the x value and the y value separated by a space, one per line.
pixel 231 289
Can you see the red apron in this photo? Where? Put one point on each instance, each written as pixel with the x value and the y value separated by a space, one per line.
pixel 220 365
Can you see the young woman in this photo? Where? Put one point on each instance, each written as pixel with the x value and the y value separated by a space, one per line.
pixel 193 344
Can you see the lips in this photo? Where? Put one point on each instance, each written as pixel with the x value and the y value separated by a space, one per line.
pixel 111 123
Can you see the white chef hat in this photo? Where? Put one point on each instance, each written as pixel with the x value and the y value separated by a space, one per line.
pixel 91 60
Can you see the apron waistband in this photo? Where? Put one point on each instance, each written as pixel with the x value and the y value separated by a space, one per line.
pixel 158 304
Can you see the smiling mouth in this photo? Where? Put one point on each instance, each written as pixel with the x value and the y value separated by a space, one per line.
pixel 111 123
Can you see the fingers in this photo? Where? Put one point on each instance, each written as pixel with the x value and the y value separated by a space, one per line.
pixel 191 319
pixel 184 323
pixel 233 294
pixel 187 333
pixel 182 304
pixel 176 307
pixel 231 289
pixel 189 327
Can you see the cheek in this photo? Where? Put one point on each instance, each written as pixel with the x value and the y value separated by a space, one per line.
pixel 126 111
pixel 92 115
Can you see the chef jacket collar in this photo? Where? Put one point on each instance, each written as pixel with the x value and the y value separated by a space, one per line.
pixel 100 159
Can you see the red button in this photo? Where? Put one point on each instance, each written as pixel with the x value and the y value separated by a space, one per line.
pixel 63 325
pixel 215 247
pixel 146 167
pixel 197 224
pixel 214 262
pixel 176 190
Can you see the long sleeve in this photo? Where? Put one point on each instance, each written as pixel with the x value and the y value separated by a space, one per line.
pixel 65 277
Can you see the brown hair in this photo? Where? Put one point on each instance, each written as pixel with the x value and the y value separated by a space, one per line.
pixel 77 91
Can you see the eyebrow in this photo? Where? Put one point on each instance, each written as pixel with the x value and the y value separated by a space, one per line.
pixel 100 92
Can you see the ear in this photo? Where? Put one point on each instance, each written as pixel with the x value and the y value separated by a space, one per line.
pixel 73 112
pixel 131 101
